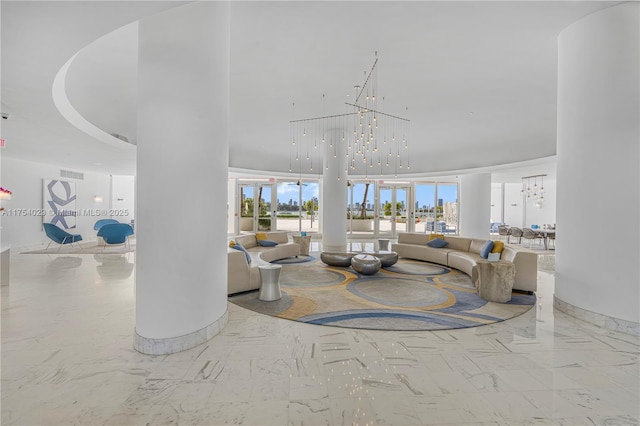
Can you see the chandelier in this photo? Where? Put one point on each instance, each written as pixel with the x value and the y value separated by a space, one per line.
pixel 374 143
pixel 535 193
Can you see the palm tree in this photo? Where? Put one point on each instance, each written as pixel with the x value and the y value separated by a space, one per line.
pixel 363 206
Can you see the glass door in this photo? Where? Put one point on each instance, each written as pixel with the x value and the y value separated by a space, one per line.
pixel 266 217
pixel 245 197
pixel 255 201
pixel 396 214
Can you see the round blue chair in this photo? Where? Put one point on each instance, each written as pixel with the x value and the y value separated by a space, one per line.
pixel 115 233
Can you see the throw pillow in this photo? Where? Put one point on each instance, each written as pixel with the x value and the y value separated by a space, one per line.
pixel 437 243
pixel 497 247
pixel 246 253
pixel 434 236
pixel 486 249
pixel 232 243
pixel 261 236
pixel 267 243
pixel 493 257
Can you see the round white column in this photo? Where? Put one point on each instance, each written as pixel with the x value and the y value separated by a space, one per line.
pixel 334 198
pixel 181 259
pixel 597 276
pixel 475 205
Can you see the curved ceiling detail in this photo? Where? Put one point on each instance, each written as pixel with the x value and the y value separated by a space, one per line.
pixel 477 79
pixel 62 102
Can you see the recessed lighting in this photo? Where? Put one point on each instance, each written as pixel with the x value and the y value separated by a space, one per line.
pixel 99 164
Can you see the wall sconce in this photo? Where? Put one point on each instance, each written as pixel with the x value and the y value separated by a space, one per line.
pixel 97 199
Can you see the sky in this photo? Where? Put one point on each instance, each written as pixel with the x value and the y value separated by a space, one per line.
pixel 424 193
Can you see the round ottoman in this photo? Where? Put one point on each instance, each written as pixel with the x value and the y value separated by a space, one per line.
pixel 365 264
pixel 337 258
pixel 387 258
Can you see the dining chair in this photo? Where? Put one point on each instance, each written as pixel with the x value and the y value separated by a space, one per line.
pixel 504 231
pixel 516 233
pixel 530 234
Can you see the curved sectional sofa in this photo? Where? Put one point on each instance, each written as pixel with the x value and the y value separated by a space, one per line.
pixel 245 276
pixel 462 253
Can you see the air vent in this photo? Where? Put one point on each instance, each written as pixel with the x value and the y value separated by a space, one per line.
pixel 123 138
pixel 72 175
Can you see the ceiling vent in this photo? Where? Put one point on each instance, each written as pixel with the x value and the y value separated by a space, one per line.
pixel 72 175
pixel 122 138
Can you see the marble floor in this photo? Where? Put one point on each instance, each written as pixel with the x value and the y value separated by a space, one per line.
pixel 67 359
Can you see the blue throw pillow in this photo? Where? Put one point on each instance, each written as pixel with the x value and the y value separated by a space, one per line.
pixel 486 249
pixel 267 243
pixel 241 248
pixel 437 243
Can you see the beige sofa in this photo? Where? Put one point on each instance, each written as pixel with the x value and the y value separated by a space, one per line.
pixel 462 253
pixel 242 276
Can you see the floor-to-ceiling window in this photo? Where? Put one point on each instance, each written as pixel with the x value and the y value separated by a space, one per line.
pixel 298 206
pixel 448 207
pixel 360 208
pixel 425 195
pixel 437 207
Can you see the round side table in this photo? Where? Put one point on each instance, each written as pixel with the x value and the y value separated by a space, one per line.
pixel 304 241
pixel 495 280
pixel 383 244
pixel 270 287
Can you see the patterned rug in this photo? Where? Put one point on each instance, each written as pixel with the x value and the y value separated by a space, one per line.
pixel 410 295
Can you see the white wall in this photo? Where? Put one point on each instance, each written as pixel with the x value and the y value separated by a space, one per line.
pixel 475 205
pixel 513 204
pixel 598 163
pixel 25 179
pixel 496 202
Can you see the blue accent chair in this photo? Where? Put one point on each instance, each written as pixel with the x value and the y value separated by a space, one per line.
pixel 101 222
pixel 59 235
pixel 115 233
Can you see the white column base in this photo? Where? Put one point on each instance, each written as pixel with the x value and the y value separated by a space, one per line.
pixel 604 321
pixel 172 345
pixel 332 248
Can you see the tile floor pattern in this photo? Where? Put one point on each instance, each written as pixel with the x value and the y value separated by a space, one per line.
pixel 67 358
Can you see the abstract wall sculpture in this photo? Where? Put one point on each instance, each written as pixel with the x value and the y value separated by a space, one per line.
pixel 60 203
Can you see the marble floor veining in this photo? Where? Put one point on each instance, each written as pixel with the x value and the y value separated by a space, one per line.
pixel 68 359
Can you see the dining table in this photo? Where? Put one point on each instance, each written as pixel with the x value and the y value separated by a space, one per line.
pixel 546 234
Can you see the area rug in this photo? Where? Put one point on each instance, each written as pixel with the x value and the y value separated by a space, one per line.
pixel 294 259
pixel 410 295
pixel 88 248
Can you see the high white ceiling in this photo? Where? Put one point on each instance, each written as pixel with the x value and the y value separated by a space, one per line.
pixel 477 79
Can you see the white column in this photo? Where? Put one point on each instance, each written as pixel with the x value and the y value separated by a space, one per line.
pixel 181 260
pixel 475 205
pixel 334 198
pixel 597 276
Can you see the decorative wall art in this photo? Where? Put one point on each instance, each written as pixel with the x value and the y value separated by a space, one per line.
pixel 60 203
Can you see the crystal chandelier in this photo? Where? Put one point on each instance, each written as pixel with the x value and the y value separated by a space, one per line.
pixel 373 142
pixel 535 193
